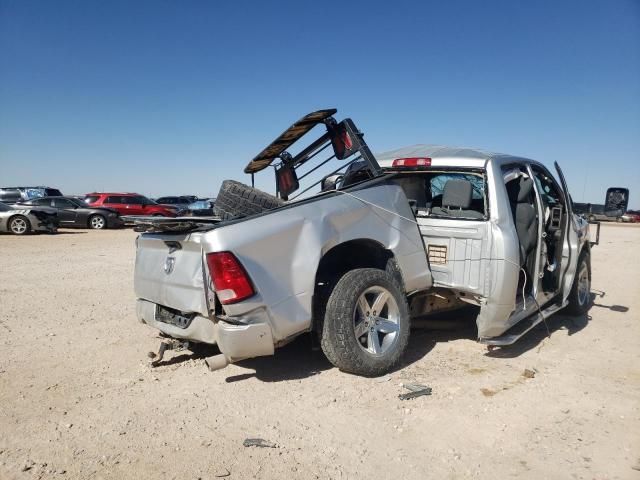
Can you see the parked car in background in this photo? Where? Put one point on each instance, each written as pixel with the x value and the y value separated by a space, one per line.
pixel 182 202
pixel 23 220
pixel 631 217
pixel 201 208
pixel 595 212
pixel 130 204
pixel 75 213
pixel 17 194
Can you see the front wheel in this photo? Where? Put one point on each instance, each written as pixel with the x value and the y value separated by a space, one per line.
pixel 19 225
pixel 580 295
pixel 366 323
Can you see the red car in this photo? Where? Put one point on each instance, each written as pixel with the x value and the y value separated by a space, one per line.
pixel 130 204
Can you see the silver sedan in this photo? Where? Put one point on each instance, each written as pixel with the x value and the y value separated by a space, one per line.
pixel 21 221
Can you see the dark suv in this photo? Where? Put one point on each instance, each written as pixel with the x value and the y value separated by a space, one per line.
pixel 130 204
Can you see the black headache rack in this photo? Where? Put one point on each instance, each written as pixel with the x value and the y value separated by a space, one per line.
pixel 346 140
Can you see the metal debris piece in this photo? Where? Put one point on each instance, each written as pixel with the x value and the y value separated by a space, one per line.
pixel 258 442
pixel 415 390
pixel 170 344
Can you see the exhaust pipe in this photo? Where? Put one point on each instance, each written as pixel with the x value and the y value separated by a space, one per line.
pixel 216 362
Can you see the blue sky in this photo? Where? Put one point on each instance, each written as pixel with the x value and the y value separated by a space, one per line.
pixel 165 97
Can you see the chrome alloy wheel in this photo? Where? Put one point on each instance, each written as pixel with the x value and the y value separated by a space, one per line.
pixel 376 320
pixel 19 225
pixel 97 222
pixel 583 284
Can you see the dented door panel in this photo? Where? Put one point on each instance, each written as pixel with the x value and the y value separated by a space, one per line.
pixel 458 252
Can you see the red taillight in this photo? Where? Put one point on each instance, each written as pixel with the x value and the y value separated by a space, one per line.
pixel 230 281
pixel 412 162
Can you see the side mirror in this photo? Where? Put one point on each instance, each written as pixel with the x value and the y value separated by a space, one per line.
pixel 331 182
pixel 616 202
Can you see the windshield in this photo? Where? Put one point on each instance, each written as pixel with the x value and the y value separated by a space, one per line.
pixel 199 205
pixel 78 203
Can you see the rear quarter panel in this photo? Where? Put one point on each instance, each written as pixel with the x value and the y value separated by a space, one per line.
pixel 281 250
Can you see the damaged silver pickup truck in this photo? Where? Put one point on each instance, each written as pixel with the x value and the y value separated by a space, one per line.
pixel 382 240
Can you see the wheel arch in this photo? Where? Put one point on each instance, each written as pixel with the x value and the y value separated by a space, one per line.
pixel 347 256
pixel 10 219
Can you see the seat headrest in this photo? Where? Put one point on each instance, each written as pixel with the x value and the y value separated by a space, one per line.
pixel 457 194
pixel 519 190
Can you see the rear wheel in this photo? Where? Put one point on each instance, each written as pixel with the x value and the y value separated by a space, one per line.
pixel 366 323
pixel 19 225
pixel 580 295
pixel 97 222
pixel 236 200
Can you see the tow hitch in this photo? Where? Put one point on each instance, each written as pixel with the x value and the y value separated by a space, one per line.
pixel 171 344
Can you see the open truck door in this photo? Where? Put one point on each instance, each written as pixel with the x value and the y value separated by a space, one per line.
pixel 571 242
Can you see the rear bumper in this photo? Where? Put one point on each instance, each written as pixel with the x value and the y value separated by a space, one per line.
pixel 236 341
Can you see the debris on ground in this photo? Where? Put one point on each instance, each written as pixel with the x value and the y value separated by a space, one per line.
pixel 28 465
pixel 487 392
pixel 258 442
pixel 223 472
pixel 415 390
pixel 528 373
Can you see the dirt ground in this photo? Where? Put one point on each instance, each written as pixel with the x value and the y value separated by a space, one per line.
pixel 78 399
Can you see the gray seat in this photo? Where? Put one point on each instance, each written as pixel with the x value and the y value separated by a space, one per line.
pixel 456 200
pixel 415 189
pixel 524 216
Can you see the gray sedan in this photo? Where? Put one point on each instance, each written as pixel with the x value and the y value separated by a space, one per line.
pixel 23 220
pixel 74 213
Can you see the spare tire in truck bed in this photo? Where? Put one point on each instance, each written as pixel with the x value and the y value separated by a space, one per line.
pixel 236 200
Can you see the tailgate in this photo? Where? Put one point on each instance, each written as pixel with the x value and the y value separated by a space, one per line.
pixel 169 271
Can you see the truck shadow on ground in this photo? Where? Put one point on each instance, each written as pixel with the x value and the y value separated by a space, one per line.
pixel 557 322
pixel 303 357
pixel 535 337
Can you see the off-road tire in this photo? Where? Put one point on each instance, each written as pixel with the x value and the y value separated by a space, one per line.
pixel 237 200
pixel 338 340
pixel 17 231
pixel 577 305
